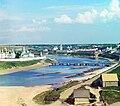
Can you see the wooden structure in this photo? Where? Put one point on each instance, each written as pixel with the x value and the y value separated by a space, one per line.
pixel 109 80
pixel 81 96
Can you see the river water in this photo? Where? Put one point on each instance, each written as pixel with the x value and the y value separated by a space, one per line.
pixel 50 74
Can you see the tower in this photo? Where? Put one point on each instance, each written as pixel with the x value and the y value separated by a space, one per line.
pixel 61 48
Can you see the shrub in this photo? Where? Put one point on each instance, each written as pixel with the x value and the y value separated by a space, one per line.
pixel 51 96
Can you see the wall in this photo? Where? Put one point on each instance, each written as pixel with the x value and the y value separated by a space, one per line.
pixel 81 101
pixel 114 83
pixel 23 59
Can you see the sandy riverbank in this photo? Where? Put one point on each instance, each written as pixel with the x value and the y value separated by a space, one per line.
pixel 17 69
pixel 15 96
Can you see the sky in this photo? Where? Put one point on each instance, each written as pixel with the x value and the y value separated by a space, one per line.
pixel 59 21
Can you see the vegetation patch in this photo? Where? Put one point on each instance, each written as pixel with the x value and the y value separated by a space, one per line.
pixel 6 65
pixel 49 60
pixel 111 56
pixel 117 71
pixel 117 88
pixel 70 84
pixel 111 96
pixel 50 96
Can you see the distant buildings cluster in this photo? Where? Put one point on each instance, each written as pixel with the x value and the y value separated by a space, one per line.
pixel 66 49
pixel 8 53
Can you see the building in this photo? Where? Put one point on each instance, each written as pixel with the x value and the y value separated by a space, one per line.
pixel 81 96
pixel 26 54
pixel 7 53
pixel 55 48
pixel 109 80
pixel 11 54
pixel 118 45
pixel 61 47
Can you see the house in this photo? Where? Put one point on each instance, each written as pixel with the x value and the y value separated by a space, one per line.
pixel 81 96
pixel 109 80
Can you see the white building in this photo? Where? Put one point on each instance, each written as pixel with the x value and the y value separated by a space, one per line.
pixel 118 45
pixel 26 54
pixel 7 54
pixel 55 48
pixel 61 48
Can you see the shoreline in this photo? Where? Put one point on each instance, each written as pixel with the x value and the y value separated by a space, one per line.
pixel 26 68
pixel 95 73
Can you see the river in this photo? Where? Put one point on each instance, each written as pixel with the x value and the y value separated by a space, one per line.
pixel 50 74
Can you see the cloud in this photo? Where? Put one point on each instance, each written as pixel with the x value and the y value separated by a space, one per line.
pixel 2 15
pixel 92 16
pixel 39 21
pixel 66 7
pixel 63 19
pixel 87 17
pixel 114 5
pixel 29 29
pixel 104 13
pixel 113 12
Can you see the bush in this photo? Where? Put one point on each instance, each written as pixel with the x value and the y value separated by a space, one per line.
pixel 51 96
pixel 96 83
pixel 39 99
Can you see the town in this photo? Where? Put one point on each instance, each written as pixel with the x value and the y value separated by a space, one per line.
pixel 91 90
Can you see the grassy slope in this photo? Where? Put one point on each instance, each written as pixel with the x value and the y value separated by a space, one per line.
pixel 6 65
pixel 52 95
pixel 111 96
pixel 49 60
pixel 117 70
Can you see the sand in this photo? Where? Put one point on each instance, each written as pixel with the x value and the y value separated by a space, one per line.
pixel 15 96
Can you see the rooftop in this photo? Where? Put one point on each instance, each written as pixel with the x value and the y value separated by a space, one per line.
pixel 109 77
pixel 81 93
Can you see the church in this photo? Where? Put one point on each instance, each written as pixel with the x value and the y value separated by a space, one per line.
pixel 7 53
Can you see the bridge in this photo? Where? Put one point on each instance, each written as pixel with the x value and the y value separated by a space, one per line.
pixel 81 64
